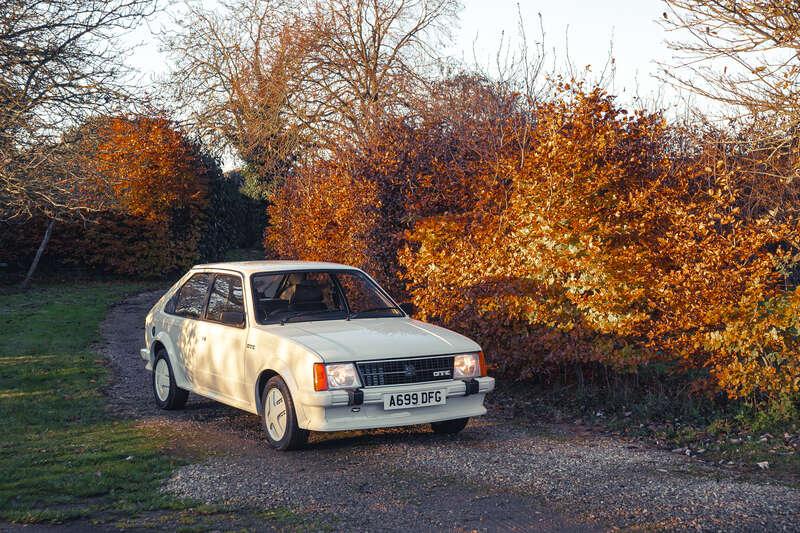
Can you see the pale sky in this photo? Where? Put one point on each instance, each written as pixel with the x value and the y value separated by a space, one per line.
pixel 585 27
pixel 588 26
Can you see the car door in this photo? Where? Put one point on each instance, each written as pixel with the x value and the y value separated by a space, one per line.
pixel 223 335
pixel 182 322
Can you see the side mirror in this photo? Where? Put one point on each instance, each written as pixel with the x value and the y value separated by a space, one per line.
pixel 233 318
pixel 408 308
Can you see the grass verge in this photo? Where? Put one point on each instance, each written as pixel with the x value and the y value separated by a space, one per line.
pixel 62 456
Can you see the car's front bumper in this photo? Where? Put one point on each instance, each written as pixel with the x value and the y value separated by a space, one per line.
pixel 145 354
pixel 334 411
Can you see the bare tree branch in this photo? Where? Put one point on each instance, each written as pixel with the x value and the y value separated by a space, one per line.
pixel 59 66
pixel 274 79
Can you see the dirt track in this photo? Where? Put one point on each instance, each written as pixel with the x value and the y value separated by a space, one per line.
pixel 499 474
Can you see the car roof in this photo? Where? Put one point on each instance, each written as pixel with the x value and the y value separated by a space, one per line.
pixel 250 267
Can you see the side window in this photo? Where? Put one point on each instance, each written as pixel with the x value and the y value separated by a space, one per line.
pixel 192 296
pixel 226 304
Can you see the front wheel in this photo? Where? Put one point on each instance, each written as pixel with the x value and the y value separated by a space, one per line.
pixel 449 427
pixel 167 393
pixel 280 419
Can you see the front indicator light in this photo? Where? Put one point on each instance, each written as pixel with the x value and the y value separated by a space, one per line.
pixel 320 377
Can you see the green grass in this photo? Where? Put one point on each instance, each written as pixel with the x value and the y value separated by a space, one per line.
pixel 745 434
pixel 61 455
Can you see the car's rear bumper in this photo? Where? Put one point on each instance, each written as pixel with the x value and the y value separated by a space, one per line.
pixel 334 410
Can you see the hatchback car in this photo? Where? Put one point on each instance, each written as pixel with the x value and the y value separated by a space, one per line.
pixel 309 347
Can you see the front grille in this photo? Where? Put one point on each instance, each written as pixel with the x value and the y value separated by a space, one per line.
pixel 400 371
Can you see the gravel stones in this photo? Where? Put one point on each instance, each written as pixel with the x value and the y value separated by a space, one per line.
pixel 496 475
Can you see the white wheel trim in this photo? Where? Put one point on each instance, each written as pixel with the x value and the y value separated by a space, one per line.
pixel 161 376
pixel 275 414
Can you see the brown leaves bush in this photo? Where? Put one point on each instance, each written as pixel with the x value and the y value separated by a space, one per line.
pixel 159 184
pixel 325 214
pixel 151 167
pixel 161 188
pixel 579 233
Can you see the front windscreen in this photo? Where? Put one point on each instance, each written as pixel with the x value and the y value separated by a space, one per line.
pixel 302 296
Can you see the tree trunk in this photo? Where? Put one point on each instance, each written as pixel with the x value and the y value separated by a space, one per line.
pixel 27 281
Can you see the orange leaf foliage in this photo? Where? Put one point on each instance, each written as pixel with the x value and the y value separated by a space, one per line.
pixel 324 214
pixel 151 167
pixel 160 186
pixel 567 232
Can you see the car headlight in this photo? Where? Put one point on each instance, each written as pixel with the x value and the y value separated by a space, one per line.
pixel 469 365
pixel 335 376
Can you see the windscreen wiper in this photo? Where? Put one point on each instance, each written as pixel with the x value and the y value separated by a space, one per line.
pixel 354 315
pixel 295 314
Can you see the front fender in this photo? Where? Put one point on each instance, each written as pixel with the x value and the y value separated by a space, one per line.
pixel 268 352
pixel 284 372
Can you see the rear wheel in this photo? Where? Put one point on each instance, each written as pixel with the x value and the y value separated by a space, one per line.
pixel 167 393
pixel 280 419
pixel 449 427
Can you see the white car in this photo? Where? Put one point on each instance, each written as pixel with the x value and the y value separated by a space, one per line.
pixel 309 347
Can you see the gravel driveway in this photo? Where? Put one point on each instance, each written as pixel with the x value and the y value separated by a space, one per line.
pixel 497 475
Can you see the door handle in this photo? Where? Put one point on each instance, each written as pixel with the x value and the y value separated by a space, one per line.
pixel 203 338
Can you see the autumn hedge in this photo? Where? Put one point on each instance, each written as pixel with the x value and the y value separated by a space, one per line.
pixel 567 231
pixel 171 206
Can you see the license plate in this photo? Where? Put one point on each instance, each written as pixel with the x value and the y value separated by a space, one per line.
pixel 406 400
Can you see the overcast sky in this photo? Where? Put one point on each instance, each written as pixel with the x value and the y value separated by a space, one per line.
pixel 585 27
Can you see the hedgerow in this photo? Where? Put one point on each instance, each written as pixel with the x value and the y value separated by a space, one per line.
pixel 172 206
pixel 567 231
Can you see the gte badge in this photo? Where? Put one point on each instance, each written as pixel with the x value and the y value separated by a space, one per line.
pixel 441 373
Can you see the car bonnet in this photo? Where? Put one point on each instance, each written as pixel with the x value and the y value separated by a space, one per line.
pixel 366 339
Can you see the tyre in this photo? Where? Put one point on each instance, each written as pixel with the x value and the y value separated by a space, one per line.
pixel 449 427
pixel 280 419
pixel 166 392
